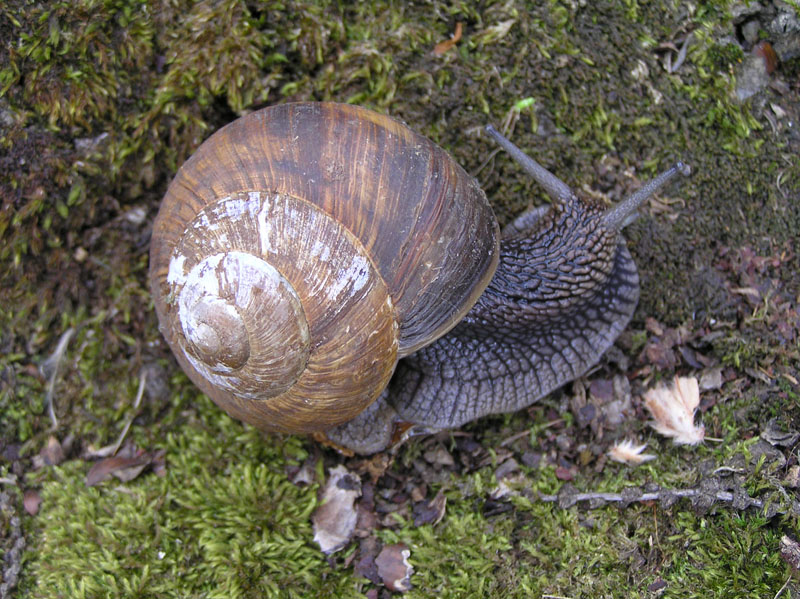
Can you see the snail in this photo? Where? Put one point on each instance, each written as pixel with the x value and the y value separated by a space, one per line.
pixel 319 267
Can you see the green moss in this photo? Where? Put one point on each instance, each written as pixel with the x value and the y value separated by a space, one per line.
pixel 223 522
pixel 724 56
pixel 718 560
pixel 581 87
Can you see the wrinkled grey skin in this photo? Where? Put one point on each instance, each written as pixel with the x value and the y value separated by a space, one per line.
pixel 565 288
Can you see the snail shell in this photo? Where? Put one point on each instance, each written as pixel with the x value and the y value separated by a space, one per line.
pixel 305 248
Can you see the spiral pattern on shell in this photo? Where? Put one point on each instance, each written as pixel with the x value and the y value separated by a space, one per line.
pixel 243 324
pixel 303 249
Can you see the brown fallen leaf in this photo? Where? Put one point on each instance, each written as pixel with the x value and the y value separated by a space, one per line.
pixel 563 473
pixel 126 467
pixel 711 379
pixel 367 519
pixel 51 454
pixel 507 469
pixel 103 469
pixel 776 435
pixel 444 46
pixel 365 565
pixel 375 466
pixel 304 475
pixel 322 439
pixel 393 567
pixel 439 456
pixel 335 519
pixel 419 492
pixel 31 501
pixel 660 354
pixel 430 512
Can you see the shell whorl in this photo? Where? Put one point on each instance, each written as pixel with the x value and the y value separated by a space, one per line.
pixel 240 322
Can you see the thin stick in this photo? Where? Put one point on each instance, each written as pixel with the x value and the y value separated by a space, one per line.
pixel 55 359
pixel 136 402
pixel 617 497
pixel 785 584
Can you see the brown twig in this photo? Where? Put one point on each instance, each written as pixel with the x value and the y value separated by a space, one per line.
pixel 654 496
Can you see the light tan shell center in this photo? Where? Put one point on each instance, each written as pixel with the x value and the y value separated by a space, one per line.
pixel 216 333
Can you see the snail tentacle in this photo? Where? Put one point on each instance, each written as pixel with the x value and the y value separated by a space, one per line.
pixel 619 216
pixel 555 187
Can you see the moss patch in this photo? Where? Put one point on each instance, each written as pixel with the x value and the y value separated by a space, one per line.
pixel 236 530
pixel 225 522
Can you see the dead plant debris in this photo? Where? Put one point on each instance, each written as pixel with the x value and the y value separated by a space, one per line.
pixel 128 464
pixel 673 408
pixel 335 519
pixel 393 567
pixel 790 552
pixel 444 46
pixel 430 512
pixel 627 452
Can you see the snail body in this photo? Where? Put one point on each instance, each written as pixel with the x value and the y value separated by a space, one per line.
pixel 321 267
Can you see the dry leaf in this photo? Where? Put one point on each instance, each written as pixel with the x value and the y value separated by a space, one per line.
pixel 444 46
pixel 365 564
pixel 305 474
pixel 31 501
pixel 335 519
pixel 673 410
pixel 439 456
pixel 51 454
pixel 126 466
pixel 628 453
pixel 564 473
pixel 393 567
pixel 502 491
pixel 375 466
pixel 711 379
pixel 430 512
pixel 775 435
